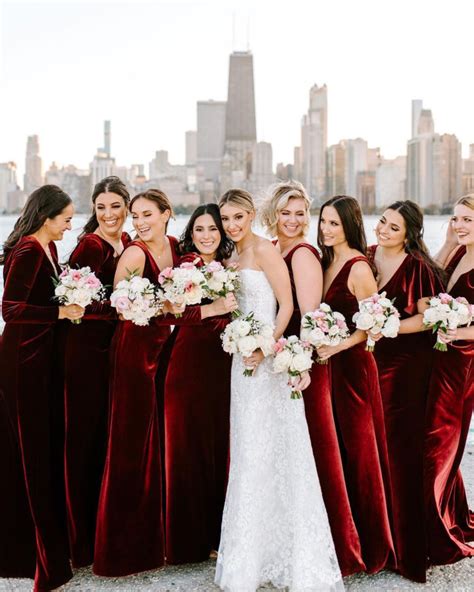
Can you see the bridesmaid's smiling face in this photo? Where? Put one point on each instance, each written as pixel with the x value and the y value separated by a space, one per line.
pixel 148 220
pixel 236 221
pixel 463 224
pixel 331 227
pixel 57 226
pixel 206 236
pixel 111 213
pixel 391 230
pixel 293 218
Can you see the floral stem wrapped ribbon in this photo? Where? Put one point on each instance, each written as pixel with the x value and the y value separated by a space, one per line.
pixel 293 356
pixel 78 286
pixel 323 327
pixel 221 281
pixel 446 312
pixel 137 299
pixel 183 284
pixel 246 335
pixel 377 315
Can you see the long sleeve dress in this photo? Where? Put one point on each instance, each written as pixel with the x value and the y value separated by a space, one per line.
pixel 35 410
pixel 86 395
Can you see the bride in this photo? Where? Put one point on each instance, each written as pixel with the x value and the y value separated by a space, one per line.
pixel 275 527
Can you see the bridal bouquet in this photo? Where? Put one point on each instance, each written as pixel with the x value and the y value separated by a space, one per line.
pixel 293 356
pixel 246 335
pixel 137 299
pixel 183 284
pixel 221 281
pixel 446 312
pixel 78 286
pixel 377 315
pixel 324 327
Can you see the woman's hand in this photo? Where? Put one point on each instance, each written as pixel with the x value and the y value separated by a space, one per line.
pixel 254 360
pixel 175 308
pixel 225 305
pixel 326 351
pixel 451 238
pixel 300 383
pixel 73 312
pixel 449 336
pixel 374 336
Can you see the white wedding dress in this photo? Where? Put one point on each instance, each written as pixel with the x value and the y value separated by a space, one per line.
pixel 274 527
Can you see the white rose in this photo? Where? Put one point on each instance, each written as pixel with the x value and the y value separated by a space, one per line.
pixel 324 307
pixel 265 344
pixel 363 320
pixel 316 336
pixel 301 362
pixel 247 345
pixel 266 331
pixel 334 330
pixel 60 290
pixel 282 361
pixel 242 328
pixel 385 302
pixel 431 316
pixel 391 327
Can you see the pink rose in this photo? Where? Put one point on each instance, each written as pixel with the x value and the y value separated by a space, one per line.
pixel 166 274
pixel 76 275
pixel 445 298
pixel 341 324
pixel 92 282
pixel 189 286
pixel 279 345
pixel 122 303
pixel 375 297
pixel 64 273
pixel 214 266
pixel 319 314
pixel 377 308
pixel 187 265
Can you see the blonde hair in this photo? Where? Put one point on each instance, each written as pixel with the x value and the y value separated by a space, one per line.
pixel 239 198
pixel 466 200
pixel 277 199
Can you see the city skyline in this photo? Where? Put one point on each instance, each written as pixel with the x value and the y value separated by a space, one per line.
pixel 372 73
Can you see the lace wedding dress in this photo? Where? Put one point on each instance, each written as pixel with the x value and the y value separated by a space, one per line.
pixel 275 527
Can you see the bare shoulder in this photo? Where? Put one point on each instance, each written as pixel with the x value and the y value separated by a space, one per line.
pixel 265 250
pixel 361 271
pixel 304 257
pixel 133 254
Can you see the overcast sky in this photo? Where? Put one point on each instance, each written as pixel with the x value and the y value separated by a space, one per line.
pixel 66 66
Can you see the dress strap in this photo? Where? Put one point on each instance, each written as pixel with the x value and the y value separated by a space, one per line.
pixel 308 246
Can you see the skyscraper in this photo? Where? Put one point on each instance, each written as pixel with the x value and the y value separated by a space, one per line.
pixel 356 162
pixel 240 123
pixel 33 165
pixel 416 107
pixel 107 138
pixel 210 140
pixel 420 160
pixel 314 134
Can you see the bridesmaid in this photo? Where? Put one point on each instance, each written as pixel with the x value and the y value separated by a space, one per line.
pixel 86 386
pixel 348 278
pixel 34 405
pixel 406 272
pixel 450 524
pixel 129 534
pixel 286 215
pixel 197 403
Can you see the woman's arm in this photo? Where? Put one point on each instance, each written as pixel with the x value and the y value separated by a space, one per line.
pixel 274 267
pixel 308 278
pixel 131 260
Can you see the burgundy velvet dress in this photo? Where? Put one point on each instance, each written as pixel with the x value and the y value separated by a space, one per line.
pixel 450 524
pixel 359 420
pixel 35 420
pixel 86 361
pixel 322 430
pixel 197 408
pixel 404 365
pixel 129 532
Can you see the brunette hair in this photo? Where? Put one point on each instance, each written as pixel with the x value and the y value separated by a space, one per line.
pixel 277 200
pixel 110 184
pixel 159 198
pixel 352 222
pixel 239 198
pixel 186 244
pixel 45 202
pixel 414 243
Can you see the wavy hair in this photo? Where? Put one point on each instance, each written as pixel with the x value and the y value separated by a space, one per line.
pixel 45 202
pixel 110 184
pixel 186 244
pixel 278 197
pixel 159 198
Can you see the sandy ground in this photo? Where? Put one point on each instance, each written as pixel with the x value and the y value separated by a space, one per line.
pixel 199 577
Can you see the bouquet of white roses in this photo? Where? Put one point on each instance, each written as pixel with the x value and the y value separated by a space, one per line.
pixel 78 286
pixel 446 312
pixel 377 315
pixel 293 356
pixel 323 327
pixel 137 299
pixel 183 284
pixel 246 335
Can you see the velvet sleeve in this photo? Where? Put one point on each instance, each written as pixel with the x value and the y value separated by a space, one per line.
pixel 421 283
pixel 21 277
pixel 90 252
